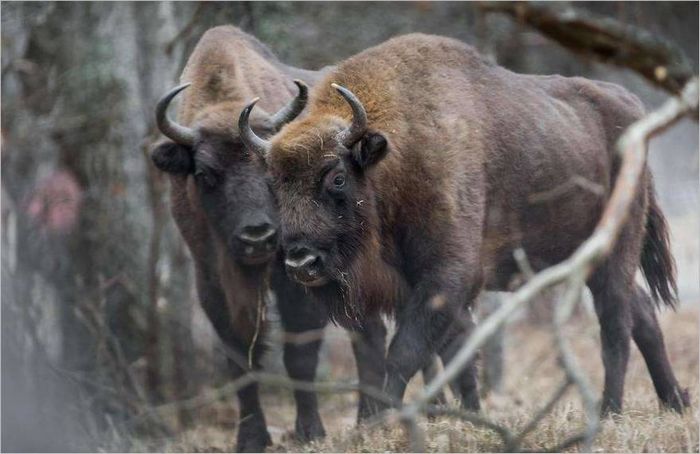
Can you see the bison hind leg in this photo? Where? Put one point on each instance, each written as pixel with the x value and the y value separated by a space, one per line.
pixel 650 341
pixel 611 298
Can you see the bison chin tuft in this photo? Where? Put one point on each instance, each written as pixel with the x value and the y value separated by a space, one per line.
pixel 339 300
pixel 368 286
pixel 311 282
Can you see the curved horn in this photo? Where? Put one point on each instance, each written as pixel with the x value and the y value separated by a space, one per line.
pixel 178 133
pixel 293 109
pixel 357 129
pixel 249 138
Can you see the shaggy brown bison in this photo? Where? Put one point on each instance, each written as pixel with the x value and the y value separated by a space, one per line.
pixel 420 167
pixel 226 214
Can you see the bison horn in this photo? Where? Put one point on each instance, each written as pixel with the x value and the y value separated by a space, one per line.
pixel 291 110
pixel 357 129
pixel 178 133
pixel 249 138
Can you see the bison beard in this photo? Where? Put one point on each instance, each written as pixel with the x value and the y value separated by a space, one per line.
pixel 366 288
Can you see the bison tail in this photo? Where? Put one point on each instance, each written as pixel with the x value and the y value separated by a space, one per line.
pixel 657 263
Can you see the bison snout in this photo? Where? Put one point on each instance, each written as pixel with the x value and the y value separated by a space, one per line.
pixel 263 233
pixel 257 242
pixel 305 265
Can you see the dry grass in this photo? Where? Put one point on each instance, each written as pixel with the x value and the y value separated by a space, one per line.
pixel 531 376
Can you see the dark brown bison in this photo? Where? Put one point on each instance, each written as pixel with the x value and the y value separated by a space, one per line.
pixel 226 214
pixel 420 167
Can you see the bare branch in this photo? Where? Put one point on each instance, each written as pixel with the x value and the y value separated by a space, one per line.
pixel 523 263
pixel 569 363
pixel 187 29
pixel 416 437
pixel 576 181
pixel 269 379
pixel 506 435
pixel 605 39
pixel 514 444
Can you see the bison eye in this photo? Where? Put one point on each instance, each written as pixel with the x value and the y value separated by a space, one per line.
pixel 334 181
pixel 205 178
pixel 339 181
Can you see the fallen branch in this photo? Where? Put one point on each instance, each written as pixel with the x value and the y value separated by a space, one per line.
pixel 605 39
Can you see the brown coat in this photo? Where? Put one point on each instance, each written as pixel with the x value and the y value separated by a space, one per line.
pixel 473 151
pixel 462 162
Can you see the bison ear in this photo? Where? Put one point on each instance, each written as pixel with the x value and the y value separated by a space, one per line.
pixel 173 158
pixel 370 150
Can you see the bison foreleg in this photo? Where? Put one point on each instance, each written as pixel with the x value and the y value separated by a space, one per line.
pixel 252 430
pixel 411 349
pixel 368 345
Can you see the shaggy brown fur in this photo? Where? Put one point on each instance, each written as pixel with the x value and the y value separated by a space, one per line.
pixel 462 163
pixel 225 69
pixel 218 189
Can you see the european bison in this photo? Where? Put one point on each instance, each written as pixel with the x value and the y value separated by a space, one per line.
pixel 420 167
pixel 226 214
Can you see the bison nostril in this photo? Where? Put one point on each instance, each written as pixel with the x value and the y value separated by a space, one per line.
pixel 301 262
pixel 300 257
pixel 256 234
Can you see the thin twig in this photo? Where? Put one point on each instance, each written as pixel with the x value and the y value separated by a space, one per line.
pixel 569 363
pixel 269 379
pixel 187 29
pixel 506 435
pixel 514 445
pixel 261 307
pixel 523 263
pixel 576 181
pixel 416 437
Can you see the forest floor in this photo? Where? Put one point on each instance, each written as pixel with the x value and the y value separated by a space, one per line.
pixel 531 375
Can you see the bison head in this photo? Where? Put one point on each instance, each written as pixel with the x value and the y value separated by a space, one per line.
pixel 318 169
pixel 230 182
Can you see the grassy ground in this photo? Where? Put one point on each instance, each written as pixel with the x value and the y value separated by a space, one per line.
pixel 531 376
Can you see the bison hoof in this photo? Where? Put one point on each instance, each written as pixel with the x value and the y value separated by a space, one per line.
pixel 677 401
pixel 369 408
pixel 309 430
pixel 253 436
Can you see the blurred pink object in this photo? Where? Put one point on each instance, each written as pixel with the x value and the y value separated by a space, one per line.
pixel 55 203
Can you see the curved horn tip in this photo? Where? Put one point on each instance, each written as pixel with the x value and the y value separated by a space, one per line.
pixel 178 89
pixel 167 127
pixel 170 94
pixel 245 113
pixel 303 88
pixel 344 92
pixel 250 139
pixel 358 127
